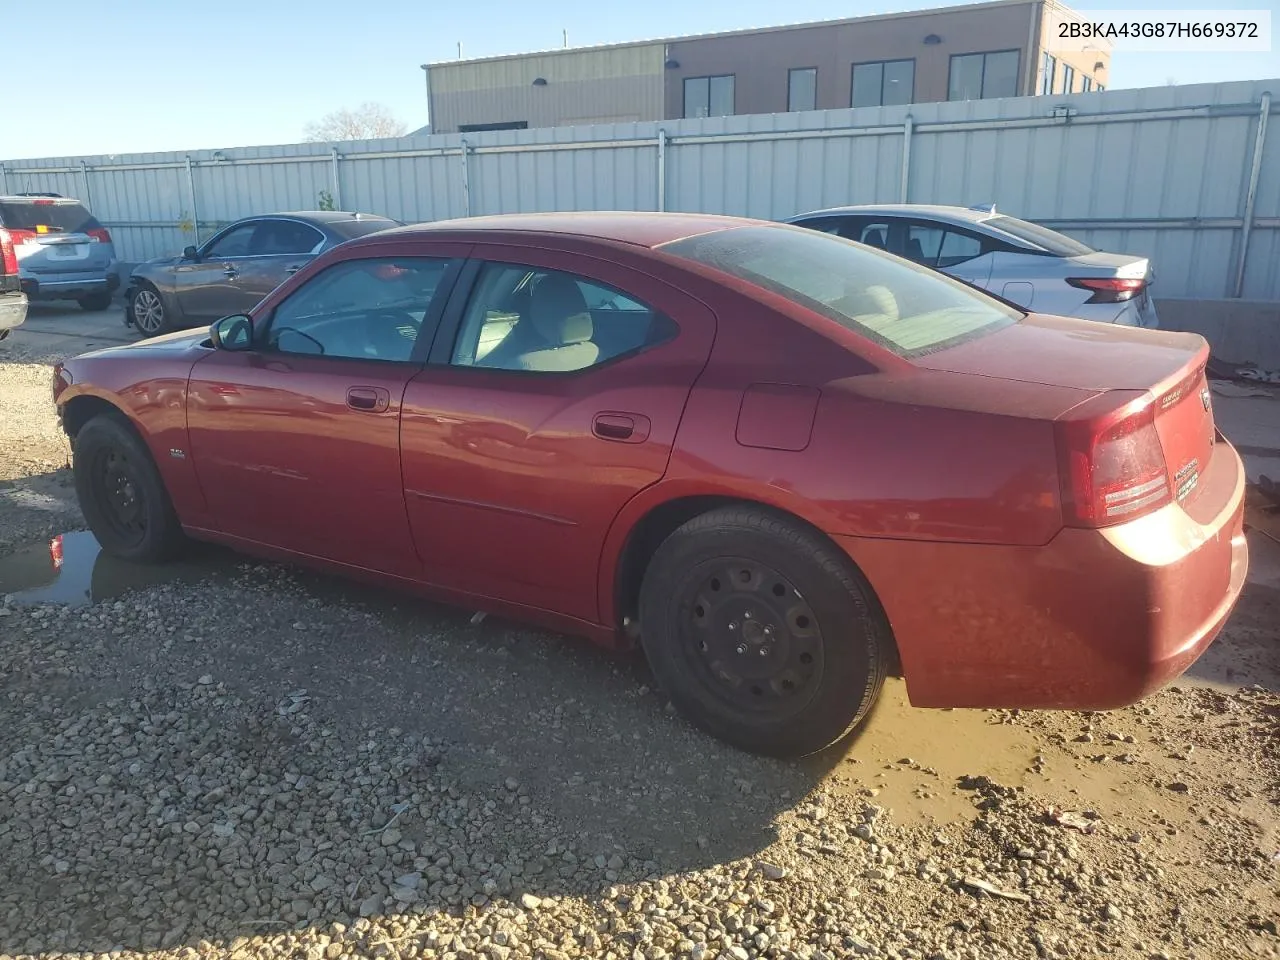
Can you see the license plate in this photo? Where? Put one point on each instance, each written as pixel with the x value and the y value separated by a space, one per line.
pixel 69 251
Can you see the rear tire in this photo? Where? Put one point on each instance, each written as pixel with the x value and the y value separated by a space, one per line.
pixel 762 633
pixel 122 494
pixel 148 311
pixel 95 301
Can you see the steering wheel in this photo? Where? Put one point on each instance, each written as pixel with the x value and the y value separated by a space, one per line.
pixel 297 333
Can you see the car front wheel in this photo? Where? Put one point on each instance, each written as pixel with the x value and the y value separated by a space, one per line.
pixel 148 311
pixel 762 632
pixel 121 493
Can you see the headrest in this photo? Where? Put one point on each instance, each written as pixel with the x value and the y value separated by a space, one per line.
pixel 559 311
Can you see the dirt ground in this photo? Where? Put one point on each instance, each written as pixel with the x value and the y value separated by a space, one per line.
pixel 229 758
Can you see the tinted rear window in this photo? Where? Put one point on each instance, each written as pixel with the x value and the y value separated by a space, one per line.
pixel 1056 243
pixel 56 216
pixel 905 308
pixel 350 229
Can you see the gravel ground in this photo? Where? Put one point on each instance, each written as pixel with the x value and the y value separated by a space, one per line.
pixel 251 761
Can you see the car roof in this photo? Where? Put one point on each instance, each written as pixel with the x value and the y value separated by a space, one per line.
pixel 967 216
pixel 319 216
pixel 42 198
pixel 638 228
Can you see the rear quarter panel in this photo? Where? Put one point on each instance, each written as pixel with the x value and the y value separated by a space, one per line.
pixel 888 450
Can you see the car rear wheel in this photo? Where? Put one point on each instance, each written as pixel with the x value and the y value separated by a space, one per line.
pixel 148 311
pixel 95 301
pixel 762 633
pixel 121 493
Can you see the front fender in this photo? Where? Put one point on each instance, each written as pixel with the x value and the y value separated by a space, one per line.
pixel 156 409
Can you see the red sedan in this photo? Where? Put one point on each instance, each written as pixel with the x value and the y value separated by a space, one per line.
pixel 782 462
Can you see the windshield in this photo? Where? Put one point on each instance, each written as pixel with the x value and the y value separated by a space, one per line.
pixel 905 308
pixel 350 229
pixel 1056 243
pixel 55 216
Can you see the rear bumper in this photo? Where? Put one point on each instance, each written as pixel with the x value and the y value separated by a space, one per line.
pixel 37 288
pixel 1131 313
pixel 1093 620
pixel 13 311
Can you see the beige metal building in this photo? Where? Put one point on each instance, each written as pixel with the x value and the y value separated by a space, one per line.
pixel 977 51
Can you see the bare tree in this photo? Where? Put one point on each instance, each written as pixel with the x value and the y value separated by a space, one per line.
pixel 367 121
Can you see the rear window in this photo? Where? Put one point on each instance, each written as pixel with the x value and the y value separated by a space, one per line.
pixel 350 229
pixel 56 216
pixel 905 308
pixel 1056 243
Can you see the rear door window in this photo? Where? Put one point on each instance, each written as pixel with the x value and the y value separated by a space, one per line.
pixel 47 216
pixel 285 237
pixel 941 246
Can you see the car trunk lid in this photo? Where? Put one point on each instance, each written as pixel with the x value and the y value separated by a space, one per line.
pixel 1135 368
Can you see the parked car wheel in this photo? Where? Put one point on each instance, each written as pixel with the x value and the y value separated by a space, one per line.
pixel 148 310
pixel 762 633
pixel 121 493
pixel 95 301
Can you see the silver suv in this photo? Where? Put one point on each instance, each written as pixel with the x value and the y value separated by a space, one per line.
pixel 62 251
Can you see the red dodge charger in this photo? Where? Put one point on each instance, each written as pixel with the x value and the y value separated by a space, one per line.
pixel 782 462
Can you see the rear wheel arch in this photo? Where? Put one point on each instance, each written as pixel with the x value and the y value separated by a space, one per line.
pixel 662 519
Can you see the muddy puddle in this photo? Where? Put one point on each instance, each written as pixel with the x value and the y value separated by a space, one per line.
pixel 910 762
pixel 72 569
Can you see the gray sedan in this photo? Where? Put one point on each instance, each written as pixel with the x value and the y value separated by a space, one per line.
pixel 236 267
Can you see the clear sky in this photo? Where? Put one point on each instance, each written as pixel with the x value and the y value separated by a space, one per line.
pixel 117 76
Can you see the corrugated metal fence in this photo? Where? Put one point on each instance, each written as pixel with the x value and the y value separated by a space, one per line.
pixel 1185 175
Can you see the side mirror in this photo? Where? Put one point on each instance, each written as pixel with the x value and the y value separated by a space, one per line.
pixel 190 253
pixel 232 333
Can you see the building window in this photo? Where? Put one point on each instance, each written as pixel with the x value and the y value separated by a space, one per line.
pixel 1068 79
pixel 1086 84
pixel 1098 87
pixel 981 76
pixel 802 88
pixel 1048 69
pixel 887 83
pixel 708 96
pixel 504 125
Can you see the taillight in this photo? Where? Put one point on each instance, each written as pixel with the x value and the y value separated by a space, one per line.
pixel 1112 463
pixel 8 256
pixel 1109 289
pixel 19 237
pixel 99 235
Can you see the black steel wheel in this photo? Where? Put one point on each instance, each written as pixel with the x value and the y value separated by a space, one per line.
pixel 762 632
pixel 121 493
pixel 755 640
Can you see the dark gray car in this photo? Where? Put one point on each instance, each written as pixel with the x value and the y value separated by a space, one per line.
pixel 236 267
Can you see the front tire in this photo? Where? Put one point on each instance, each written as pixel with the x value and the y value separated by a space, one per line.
pixel 148 310
pixel 762 633
pixel 122 494
pixel 95 302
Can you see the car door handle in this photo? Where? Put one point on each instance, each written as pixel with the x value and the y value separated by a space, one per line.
pixel 621 427
pixel 230 271
pixel 368 399
pixel 290 271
